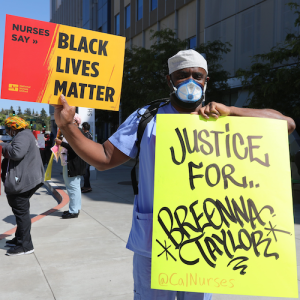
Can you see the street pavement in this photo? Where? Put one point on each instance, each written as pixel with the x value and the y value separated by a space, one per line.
pixel 82 258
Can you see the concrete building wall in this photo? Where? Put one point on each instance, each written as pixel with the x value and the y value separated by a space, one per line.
pixel 67 12
pixel 168 22
pixel 148 33
pixel 250 26
pixel 138 40
pixel 178 15
pixel 187 21
pixel 116 7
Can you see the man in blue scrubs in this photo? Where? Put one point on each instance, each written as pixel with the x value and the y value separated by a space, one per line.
pixel 187 80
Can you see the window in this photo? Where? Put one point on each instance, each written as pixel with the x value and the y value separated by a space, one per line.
pixel 104 13
pixel 192 42
pixel 153 4
pixel 117 24
pixel 103 16
pixel 139 9
pixel 127 16
pixel 86 14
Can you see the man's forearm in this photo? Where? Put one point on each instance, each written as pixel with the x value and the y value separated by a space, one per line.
pixel 262 113
pixel 251 112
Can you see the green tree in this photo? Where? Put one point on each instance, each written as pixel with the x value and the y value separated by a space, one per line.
pixel 43 113
pixel 145 72
pixel 273 80
pixel 217 84
pixel 33 112
pixel 27 111
pixel 2 119
pixel 19 111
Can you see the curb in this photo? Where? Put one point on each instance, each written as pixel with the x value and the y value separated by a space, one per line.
pixel 59 195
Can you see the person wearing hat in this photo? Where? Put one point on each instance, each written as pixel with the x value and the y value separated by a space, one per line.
pixel 187 79
pixel 20 184
pixel 73 168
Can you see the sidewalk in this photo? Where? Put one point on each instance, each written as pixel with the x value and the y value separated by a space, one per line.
pixel 82 258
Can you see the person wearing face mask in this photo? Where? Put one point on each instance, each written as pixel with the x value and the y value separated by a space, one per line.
pixel 73 168
pixel 188 93
pixel 187 79
pixel 24 175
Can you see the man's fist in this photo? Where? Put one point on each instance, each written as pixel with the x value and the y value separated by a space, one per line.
pixel 213 109
pixel 63 114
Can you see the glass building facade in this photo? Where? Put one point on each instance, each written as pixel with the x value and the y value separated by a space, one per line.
pixel 87 14
pixel 250 26
pixel 66 12
pixel 139 13
pixel 127 16
pixel 103 13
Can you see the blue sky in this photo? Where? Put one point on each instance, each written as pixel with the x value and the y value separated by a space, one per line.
pixel 34 9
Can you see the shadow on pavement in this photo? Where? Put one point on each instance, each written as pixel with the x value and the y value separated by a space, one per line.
pixel 113 185
pixel 3 242
pixel 12 220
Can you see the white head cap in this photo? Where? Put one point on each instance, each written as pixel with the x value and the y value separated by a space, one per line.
pixel 186 59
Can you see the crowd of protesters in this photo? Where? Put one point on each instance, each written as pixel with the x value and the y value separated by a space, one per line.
pixel 23 153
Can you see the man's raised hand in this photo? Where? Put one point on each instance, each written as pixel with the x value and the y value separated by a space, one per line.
pixel 63 113
pixel 213 109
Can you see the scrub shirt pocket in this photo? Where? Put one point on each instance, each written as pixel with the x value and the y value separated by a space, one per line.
pixel 140 238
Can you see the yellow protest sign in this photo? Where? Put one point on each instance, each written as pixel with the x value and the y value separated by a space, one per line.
pixel 43 60
pixel 48 172
pixel 223 220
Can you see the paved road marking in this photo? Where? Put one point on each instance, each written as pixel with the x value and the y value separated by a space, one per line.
pixel 65 201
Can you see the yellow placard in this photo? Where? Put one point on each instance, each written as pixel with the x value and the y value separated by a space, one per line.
pixel 48 172
pixel 223 219
pixel 43 60
pixel 87 67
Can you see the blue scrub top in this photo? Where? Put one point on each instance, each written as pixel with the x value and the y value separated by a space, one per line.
pixel 140 238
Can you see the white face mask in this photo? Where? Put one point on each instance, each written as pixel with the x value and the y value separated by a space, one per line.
pixel 189 91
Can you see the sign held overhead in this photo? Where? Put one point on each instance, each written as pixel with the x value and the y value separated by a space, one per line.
pixel 43 60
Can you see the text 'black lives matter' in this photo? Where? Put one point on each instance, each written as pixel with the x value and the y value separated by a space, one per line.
pixel 66 42
pixel 83 68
